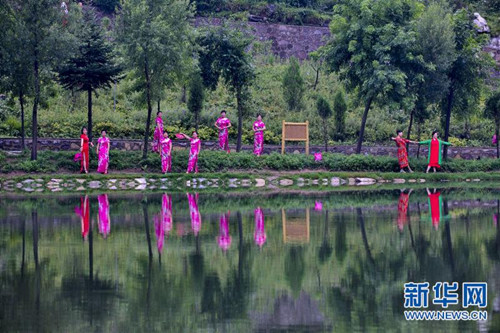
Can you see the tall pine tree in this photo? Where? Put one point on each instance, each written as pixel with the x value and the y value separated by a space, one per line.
pixel 92 66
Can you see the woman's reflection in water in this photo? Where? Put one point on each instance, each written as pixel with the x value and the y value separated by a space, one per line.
pixel 404 199
pixel 435 205
pixel 224 238
pixel 260 232
pixel 84 212
pixel 163 222
pixel 194 213
pixel 103 217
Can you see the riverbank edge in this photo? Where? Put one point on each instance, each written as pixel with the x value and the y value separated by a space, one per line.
pixel 239 181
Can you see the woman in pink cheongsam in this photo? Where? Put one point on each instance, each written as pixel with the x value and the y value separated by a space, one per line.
pixel 223 124
pixel 158 134
pixel 103 145
pixel 193 152
pixel 166 153
pixel 258 143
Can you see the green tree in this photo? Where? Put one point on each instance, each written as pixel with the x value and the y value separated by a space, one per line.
pixel 107 6
pixel 340 109
pixel 492 111
pixel 325 112
pixel 156 37
pixel 435 46
pixel 16 74
pixel 196 97
pixel 293 86
pixel 466 74
pixel 370 47
pixel 223 54
pixel 92 66
pixel 45 40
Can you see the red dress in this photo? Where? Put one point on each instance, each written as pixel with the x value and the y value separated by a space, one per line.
pixel 85 152
pixel 434 154
pixel 402 153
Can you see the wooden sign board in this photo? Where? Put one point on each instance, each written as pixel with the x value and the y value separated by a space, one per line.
pixel 295 229
pixel 295 132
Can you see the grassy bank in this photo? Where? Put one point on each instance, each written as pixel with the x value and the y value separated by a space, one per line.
pixel 220 162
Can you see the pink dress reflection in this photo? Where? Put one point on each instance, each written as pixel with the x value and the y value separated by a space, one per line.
pixel 318 206
pixel 194 213
pixel 104 220
pixel 224 238
pixel 163 223
pixel 260 233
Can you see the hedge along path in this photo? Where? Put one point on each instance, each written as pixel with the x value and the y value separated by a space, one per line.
pixel 220 162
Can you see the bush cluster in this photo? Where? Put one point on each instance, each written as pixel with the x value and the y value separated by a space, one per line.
pixel 215 161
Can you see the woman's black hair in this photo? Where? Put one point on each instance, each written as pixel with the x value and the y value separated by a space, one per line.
pixel 83 129
pixel 158 113
pixel 195 131
pixel 434 132
pixel 103 130
pixel 223 111
pixel 398 131
pixel 258 114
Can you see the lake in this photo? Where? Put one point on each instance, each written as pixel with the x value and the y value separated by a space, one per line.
pixel 238 262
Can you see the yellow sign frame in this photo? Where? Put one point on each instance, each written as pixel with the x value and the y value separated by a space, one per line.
pixel 294 132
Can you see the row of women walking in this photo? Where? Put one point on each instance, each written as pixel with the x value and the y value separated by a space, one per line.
pixel 162 144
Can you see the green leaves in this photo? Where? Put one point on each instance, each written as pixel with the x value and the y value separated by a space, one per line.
pixel 293 86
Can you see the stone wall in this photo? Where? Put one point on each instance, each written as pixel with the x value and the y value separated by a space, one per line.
pixel 12 144
pixel 286 40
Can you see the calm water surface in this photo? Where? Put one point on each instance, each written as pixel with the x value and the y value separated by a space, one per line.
pixel 236 262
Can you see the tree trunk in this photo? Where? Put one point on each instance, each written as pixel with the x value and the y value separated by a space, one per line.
pixel 240 118
pixel 419 132
pixel 34 125
pixel 325 133
pixel 196 120
pixel 409 129
pixel 23 132
pixel 183 94
pixel 496 133
pixel 316 81
pixel 159 109
pixel 148 98
pixel 89 113
pixel 363 123
pixel 447 122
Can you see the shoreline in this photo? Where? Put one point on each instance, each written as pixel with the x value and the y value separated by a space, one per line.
pixel 233 181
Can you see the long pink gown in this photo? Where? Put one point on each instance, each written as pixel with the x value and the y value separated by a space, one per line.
pixel 224 238
pixel 259 235
pixel 158 134
pixel 193 155
pixel 166 155
pixel 163 223
pixel 103 158
pixel 258 141
pixel 104 219
pixel 194 213
pixel 223 123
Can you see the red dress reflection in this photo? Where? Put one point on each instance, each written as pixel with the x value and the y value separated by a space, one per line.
pixel 260 233
pixel 435 207
pixel 84 212
pixel 163 223
pixel 104 220
pixel 194 213
pixel 404 199
pixel 224 238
